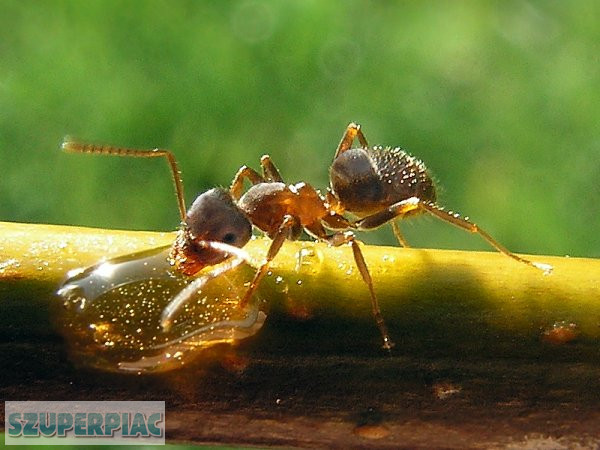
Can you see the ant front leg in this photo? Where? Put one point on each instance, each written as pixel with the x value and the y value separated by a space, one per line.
pixel 281 235
pixel 352 131
pixel 413 204
pixel 183 297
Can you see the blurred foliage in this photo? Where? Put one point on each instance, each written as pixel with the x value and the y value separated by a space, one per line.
pixel 500 99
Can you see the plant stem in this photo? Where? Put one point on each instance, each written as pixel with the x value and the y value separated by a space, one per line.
pixel 434 301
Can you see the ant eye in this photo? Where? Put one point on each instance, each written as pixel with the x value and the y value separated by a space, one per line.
pixel 229 238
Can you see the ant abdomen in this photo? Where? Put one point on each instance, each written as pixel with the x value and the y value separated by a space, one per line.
pixel 367 180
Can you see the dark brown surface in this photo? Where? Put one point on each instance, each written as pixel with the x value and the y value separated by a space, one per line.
pixel 479 362
pixel 317 398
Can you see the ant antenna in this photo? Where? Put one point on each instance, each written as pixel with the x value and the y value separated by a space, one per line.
pixel 75 147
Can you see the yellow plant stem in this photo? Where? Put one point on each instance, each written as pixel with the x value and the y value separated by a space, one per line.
pixel 435 301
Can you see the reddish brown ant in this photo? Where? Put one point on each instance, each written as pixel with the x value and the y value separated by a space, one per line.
pixel 281 211
pixel 226 216
pixel 382 184
pixel 376 184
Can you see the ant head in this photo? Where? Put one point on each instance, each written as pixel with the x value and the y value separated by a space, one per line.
pixel 214 216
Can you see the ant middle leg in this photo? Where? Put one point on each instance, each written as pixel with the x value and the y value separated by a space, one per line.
pixel 366 276
pixel 352 131
pixel 413 204
pixel 244 173
pixel 270 172
pixel 347 237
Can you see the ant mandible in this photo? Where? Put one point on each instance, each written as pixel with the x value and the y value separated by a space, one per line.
pixel 220 221
pixel 381 184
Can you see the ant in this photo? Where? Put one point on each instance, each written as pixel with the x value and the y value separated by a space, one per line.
pixel 381 184
pixel 376 184
pixel 219 222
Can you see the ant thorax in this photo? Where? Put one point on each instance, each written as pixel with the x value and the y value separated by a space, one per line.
pixel 266 204
pixel 366 180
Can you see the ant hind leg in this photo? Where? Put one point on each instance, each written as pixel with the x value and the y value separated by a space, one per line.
pixel 352 131
pixel 413 204
pixel 458 221
pixel 398 233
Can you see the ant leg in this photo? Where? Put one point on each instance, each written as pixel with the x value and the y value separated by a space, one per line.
pixel 359 259
pixel 270 173
pixel 397 210
pixel 398 234
pixel 75 147
pixel 333 221
pixel 196 285
pixel 458 221
pixel 366 276
pixel 352 131
pixel 343 237
pixel 282 233
pixel 237 185
pixel 400 209
pixel 269 170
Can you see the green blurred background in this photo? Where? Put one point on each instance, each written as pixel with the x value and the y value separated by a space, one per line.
pixel 500 99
